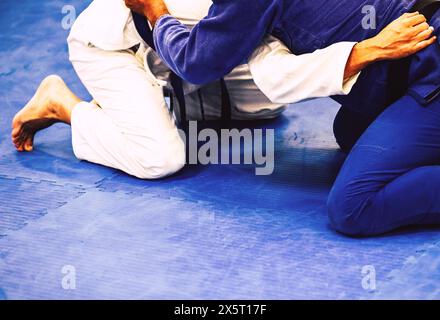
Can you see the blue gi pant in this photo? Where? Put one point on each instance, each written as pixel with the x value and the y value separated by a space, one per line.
pixel 391 177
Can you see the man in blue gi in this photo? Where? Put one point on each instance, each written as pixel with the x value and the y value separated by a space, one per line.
pixel 390 122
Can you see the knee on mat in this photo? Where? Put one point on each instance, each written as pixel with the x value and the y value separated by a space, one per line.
pixel 344 214
pixel 167 160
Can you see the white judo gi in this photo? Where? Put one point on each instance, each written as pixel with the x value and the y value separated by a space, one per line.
pixel 130 127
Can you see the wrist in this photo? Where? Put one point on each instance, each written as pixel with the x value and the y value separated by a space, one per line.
pixel 154 12
pixel 371 52
pixel 362 55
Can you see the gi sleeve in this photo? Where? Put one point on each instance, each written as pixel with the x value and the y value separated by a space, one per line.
pixel 225 38
pixel 287 78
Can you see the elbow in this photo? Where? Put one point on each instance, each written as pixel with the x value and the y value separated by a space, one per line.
pixel 196 77
pixel 200 72
pixel 196 68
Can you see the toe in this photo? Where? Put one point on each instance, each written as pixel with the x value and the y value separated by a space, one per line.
pixel 20 140
pixel 19 147
pixel 29 144
pixel 15 132
pixel 16 142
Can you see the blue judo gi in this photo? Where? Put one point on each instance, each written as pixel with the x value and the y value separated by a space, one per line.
pixel 391 177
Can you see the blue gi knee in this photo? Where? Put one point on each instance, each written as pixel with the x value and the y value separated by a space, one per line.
pixel 391 178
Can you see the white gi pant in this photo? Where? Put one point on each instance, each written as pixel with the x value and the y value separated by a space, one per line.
pixel 130 127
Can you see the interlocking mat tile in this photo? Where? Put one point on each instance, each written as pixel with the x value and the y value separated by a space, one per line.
pixel 70 229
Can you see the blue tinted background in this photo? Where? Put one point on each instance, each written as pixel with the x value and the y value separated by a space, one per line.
pixel 208 232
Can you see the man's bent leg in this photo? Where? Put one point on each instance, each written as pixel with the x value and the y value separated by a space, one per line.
pixel 391 178
pixel 132 129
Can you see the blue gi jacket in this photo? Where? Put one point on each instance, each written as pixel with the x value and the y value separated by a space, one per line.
pixel 234 28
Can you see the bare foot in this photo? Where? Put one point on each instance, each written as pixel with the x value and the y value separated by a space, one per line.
pixel 53 102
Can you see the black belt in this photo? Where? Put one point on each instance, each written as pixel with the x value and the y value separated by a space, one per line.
pixel 144 30
pixel 399 70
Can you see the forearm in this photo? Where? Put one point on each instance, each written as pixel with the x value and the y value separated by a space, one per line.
pixel 288 78
pixel 363 54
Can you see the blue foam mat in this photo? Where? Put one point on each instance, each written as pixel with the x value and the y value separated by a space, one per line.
pixel 207 232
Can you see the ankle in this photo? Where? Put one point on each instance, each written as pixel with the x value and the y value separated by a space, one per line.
pixel 68 108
